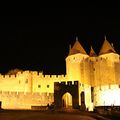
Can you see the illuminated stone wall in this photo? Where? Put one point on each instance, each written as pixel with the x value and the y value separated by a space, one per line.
pixel 107 95
pixel 21 100
pixel 28 88
pixel 45 83
pixel 75 67
pixel 20 82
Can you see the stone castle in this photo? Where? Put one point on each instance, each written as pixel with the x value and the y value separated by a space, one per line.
pixel 90 81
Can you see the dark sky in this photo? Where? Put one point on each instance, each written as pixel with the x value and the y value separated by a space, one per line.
pixel 42 42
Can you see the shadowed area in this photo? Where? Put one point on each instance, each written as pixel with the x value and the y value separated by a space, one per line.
pixel 48 115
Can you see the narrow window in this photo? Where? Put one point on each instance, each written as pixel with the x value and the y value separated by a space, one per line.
pixel 48 86
pixel 92 94
pixel 39 86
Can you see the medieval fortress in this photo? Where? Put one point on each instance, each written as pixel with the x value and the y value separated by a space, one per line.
pixel 91 80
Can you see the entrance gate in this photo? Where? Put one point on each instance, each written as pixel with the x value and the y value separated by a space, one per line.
pixel 67 100
pixel 66 95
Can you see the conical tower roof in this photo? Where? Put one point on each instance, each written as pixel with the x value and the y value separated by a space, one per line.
pixel 106 48
pixel 92 53
pixel 77 48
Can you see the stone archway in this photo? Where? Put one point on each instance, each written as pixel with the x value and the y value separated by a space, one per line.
pixel 60 90
pixel 67 100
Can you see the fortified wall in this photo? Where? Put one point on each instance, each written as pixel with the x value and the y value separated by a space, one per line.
pixel 25 100
pixel 28 88
pixel 95 78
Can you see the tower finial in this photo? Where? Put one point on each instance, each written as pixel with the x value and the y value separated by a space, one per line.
pixel 69 47
pixel 91 47
pixel 112 45
pixel 76 38
pixel 105 37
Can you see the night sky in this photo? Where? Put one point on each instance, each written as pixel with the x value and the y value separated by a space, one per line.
pixel 42 42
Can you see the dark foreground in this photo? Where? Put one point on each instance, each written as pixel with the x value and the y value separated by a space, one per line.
pixel 48 115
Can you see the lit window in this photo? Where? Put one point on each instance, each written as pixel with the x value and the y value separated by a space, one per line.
pixel 48 86
pixel 39 86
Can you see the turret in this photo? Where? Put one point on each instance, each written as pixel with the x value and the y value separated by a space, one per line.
pixel 77 54
pixel 77 48
pixel 92 53
pixel 106 67
pixel 107 51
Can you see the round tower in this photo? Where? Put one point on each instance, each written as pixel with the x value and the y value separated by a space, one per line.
pixel 74 61
pixel 106 83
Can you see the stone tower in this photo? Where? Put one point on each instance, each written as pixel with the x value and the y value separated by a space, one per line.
pixel 76 55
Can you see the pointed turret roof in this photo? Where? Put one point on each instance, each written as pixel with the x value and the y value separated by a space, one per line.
pixel 77 48
pixel 106 48
pixel 92 52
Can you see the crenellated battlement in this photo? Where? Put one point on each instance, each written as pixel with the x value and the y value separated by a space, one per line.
pixel 32 73
pixel 24 73
pixel 43 76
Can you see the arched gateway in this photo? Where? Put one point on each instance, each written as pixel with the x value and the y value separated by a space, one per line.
pixel 66 95
pixel 67 100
